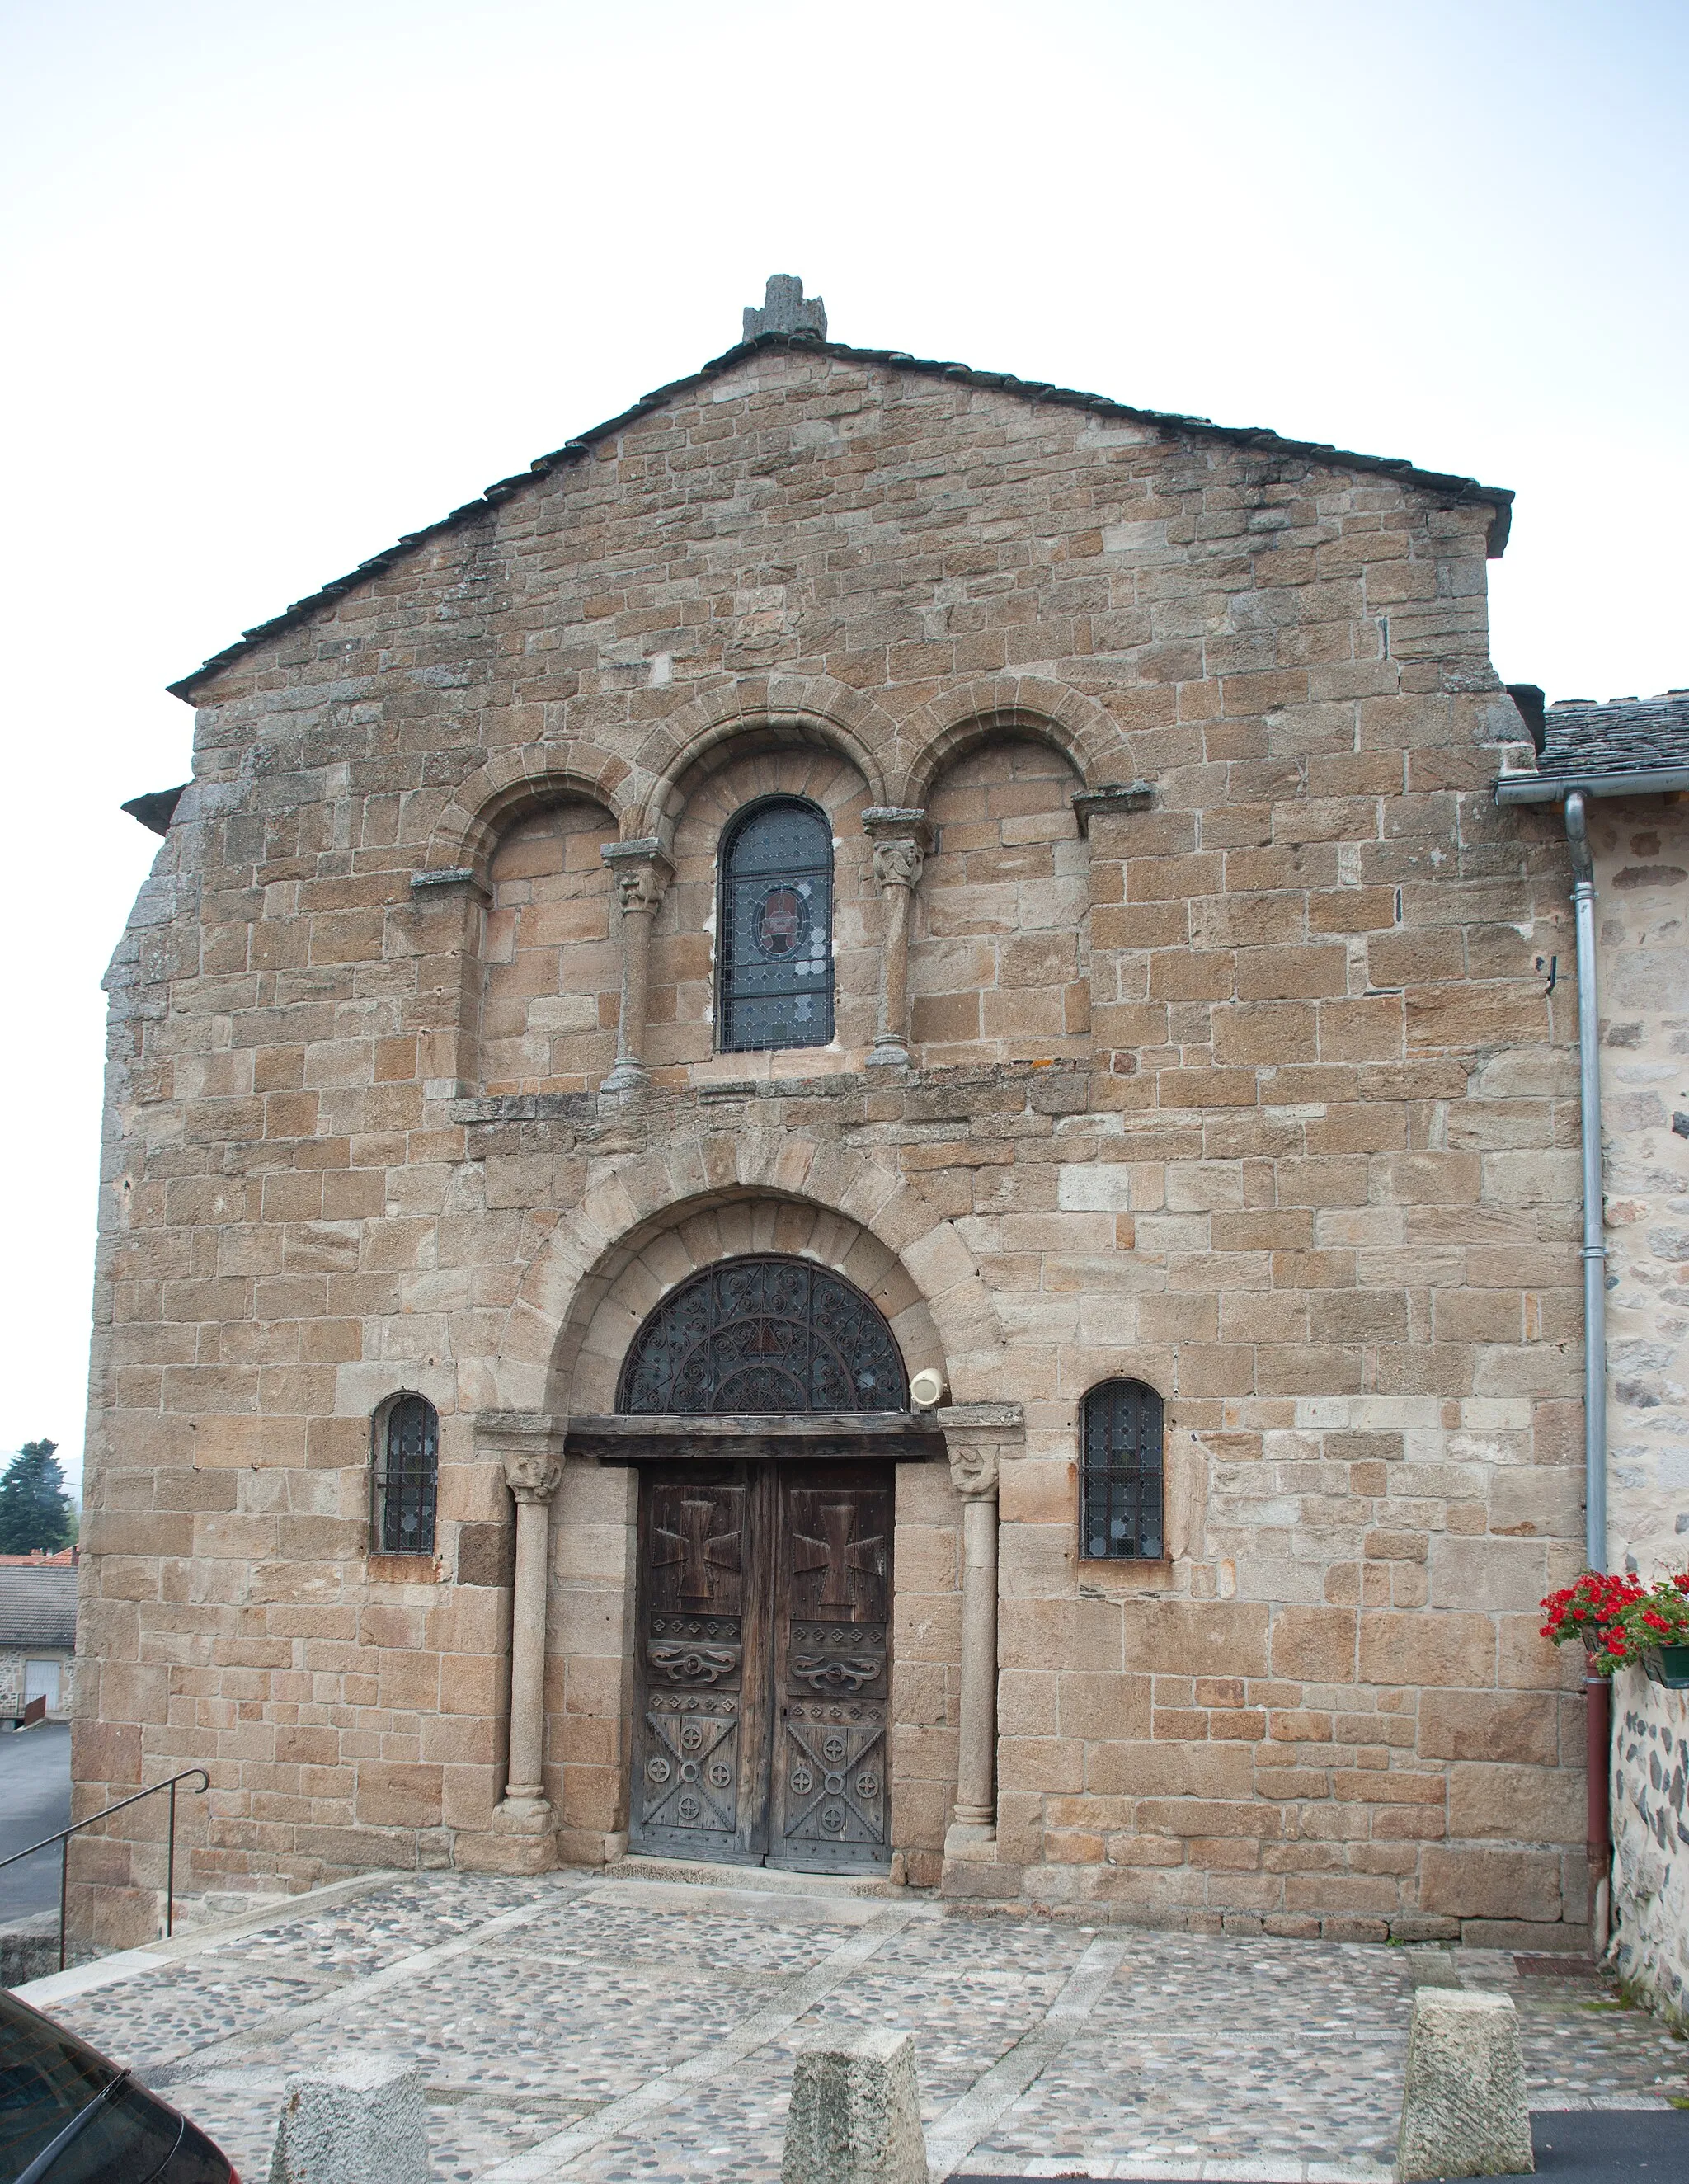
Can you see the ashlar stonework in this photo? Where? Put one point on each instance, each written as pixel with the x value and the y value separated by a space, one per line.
pixel 1190 1028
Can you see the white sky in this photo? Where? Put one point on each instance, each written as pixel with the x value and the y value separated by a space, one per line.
pixel 285 279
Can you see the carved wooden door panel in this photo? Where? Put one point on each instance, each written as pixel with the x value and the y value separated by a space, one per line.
pixel 762 1701
pixel 700 1762
pixel 830 1805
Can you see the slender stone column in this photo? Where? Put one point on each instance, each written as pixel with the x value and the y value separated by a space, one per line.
pixel 528 1448
pixel 976 1438
pixel 642 873
pixel 900 840
pixel 451 934
pixel 973 1473
pixel 532 1479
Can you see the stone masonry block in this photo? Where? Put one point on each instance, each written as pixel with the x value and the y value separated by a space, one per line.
pixel 1464 2110
pixel 855 2115
pixel 361 2122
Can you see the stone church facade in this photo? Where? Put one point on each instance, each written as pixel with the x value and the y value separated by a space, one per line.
pixel 837 1135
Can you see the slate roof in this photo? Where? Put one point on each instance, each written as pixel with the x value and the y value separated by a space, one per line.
pixel 38 1606
pixel 1453 488
pixel 1629 735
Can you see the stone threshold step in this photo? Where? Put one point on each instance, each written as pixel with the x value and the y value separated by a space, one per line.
pixel 774 1880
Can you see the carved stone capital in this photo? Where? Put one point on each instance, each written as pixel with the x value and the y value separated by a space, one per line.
pixel 527 1446
pixel 530 1473
pixel 977 1437
pixel 642 870
pixel 974 1467
pixel 898 860
pixel 887 823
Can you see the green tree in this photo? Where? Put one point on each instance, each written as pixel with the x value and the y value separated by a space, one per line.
pixel 35 1510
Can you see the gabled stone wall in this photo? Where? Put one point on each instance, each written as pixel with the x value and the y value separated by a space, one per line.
pixel 1258 1094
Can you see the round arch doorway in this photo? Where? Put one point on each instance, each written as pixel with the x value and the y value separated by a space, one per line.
pixel 764 1571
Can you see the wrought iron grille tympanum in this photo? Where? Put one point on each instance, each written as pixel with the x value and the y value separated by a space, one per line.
pixel 764 1335
pixel 407 1477
pixel 777 928
pixel 1121 1472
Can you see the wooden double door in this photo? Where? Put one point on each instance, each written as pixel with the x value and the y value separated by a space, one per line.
pixel 763 1681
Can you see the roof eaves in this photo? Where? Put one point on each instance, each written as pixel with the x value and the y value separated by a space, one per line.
pixel 1594 781
pixel 1500 498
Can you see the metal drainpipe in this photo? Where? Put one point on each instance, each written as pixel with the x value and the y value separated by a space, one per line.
pixel 1597 1692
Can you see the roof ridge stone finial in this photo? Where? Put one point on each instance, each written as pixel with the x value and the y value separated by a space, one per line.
pixel 786 310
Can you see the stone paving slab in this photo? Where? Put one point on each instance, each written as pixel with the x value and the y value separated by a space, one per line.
pixel 619 2031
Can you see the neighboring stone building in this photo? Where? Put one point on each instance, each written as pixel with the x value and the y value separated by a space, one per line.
pixel 1619 773
pixel 865 931
pixel 37 1633
pixel 1632 756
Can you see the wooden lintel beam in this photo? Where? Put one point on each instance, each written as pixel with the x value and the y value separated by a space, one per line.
pixel 902 1435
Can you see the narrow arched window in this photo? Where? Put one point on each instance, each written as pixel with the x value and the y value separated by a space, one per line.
pixel 407 1476
pixel 777 927
pixel 1121 1473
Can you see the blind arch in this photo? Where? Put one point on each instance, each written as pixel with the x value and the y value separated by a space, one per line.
pixel 776 926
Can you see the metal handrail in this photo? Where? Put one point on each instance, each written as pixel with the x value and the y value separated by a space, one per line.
pixel 63 1839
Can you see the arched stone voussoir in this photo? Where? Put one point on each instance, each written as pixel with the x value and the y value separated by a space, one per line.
pixel 992 706
pixel 632 1201
pixel 513 782
pixel 812 707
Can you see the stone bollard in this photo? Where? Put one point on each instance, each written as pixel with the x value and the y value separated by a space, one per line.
pixel 855 2115
pixel 1464 2110
pixel 358 2122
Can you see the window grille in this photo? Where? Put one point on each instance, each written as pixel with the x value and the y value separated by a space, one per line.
pixel 1122 1472
pixel 761 1335
pixel 407 1477
pixel 777 927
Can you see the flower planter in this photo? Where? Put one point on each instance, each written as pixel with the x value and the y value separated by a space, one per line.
pixel 1667 1665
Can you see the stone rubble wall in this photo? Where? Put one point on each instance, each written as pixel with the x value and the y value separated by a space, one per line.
pixel 1258 1094
pixel 1651 1841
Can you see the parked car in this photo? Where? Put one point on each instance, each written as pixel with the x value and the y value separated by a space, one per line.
pixel 68 2115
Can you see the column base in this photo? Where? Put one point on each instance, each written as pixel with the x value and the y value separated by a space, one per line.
pixel 891 1055
pixel 972 1868
pixel 521 1838
pixel 626 1076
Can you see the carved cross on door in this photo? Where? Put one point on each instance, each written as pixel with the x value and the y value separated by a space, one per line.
pixel 696 1548
pixel 837 1554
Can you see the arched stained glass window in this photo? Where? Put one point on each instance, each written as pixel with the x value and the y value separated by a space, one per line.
pixel 776 987
pixel 407 1477
pixel 764 1335
pixel 1121 1473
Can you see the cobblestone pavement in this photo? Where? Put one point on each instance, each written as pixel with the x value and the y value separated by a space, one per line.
pixel 587 2027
